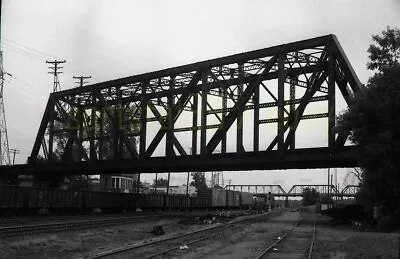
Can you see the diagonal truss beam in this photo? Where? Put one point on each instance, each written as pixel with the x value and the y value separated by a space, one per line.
pixel 133 152
pixel 177 109
pixel 239 106
pixel 175 141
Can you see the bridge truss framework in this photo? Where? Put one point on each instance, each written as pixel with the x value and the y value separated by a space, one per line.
pixel 296 190
pixel 96 129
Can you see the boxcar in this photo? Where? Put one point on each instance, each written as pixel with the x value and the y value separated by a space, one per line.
pixel 246 200
pixel 230 199
pixel 236 200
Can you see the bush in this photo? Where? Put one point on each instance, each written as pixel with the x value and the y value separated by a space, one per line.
pixel 386 224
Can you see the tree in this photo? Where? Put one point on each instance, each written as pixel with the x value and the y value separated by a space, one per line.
pixel 310 196
pixel 387 51
pixel 161 182
pixel 326 199
pixel 199 181
pixel 373 123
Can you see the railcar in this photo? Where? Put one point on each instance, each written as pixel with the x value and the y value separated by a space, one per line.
pixel 28 200
pixel 18 200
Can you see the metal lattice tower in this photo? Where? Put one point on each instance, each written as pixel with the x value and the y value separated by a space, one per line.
pixel 4 149
pixel 55 71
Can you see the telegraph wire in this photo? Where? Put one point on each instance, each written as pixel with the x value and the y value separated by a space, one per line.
pixel 29 48
pixel 22 53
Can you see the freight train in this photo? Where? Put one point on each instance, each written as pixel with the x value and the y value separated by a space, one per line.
pixel 22 200
pixel 264 202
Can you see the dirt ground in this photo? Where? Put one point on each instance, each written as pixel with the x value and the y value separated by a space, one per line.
pixel 249 242
pixel 348 242
pixel 81 243
pixel 332 241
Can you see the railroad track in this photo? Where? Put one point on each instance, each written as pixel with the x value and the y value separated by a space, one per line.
pixel 301 240
pixel 170 244
pixel 75 225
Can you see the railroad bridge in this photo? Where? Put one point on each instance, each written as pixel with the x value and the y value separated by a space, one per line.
pixel 202 116
pixel 349 191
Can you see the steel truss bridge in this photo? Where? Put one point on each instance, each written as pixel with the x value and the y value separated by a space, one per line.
pixel 194 117
pixel 296 190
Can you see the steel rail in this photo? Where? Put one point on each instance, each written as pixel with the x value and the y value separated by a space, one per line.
pixel 279 240
pixel 313 237
pixel 60 226
pixel 141 245
pixel 285 235
pixel 200 239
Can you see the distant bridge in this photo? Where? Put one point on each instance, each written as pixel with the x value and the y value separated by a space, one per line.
pixel 296 190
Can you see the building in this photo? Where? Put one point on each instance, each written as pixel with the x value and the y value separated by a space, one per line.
pixel 119 183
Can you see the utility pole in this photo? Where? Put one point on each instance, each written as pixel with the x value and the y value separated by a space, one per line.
pixel 55 71
pixel 14 151
pixel 155 185
pixel 81 80
pixel 4 148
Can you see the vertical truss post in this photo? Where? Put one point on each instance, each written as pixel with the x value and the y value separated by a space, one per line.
pixel 293 83
pixel 331 98
pixel 93 155
pixel 281 99
pixel 204 93
pixel 101 133
pixel 256 131
pixel 143 120
pixel 116 125
pixel 51 130
pixel 195 110
pixel 239 130
pixel 224 106
pixel 81 119
pixel 170 129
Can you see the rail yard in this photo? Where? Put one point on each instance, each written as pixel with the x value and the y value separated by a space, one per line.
pixel 274 234
pixel 199 129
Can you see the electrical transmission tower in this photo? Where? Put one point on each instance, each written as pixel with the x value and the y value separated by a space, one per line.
pixel 81 80
pixel 4 150
pixel 55 71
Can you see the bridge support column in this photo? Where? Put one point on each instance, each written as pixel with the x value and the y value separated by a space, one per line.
pixel 143 120
pixel 203 131
pixel 256 130
pixel 239 135
pixel 224 106
pixel 169 151
pixel 195 112
pixel 331 99
pixel 281 100
pixel 293 82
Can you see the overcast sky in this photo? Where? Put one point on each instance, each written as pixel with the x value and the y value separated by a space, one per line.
pixel 108 39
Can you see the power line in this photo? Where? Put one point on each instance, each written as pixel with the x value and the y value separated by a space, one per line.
pixel 28 48
pixel 24 53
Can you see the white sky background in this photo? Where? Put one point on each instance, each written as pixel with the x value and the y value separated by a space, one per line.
pixel 111 39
